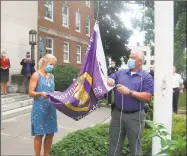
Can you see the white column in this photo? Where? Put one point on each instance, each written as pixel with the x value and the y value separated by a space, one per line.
pixel 164 38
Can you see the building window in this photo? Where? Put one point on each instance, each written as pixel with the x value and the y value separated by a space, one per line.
pixel 49 10
pixel 65 15
pixel 88 3
pixel 49 45
pixel 145 53
pixel 152 53
pixel 145 62
pixel 88 26
pixel 77 22
pixel 152 62
pixel 78 54
pixel 66 52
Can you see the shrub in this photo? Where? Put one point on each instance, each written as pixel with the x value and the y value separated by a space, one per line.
pixel 94 141
pixel 64 76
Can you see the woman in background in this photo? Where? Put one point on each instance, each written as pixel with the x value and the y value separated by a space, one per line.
pixel 5 65
pixel 43 116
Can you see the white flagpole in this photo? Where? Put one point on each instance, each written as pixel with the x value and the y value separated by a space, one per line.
pixel 164 50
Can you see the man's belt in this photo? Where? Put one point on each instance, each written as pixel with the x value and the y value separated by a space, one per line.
pixel 129 112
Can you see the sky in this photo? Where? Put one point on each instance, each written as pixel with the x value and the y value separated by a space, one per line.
pixel 126 17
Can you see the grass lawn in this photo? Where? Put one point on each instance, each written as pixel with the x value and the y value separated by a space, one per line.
pixel 182 101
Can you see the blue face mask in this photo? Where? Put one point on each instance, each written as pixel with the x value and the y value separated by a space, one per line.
pixel 131 63
pixel 49 68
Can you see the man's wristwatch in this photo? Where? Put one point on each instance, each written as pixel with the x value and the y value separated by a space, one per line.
pixel 130 91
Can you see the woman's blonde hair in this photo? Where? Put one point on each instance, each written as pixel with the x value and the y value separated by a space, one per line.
pixel 47 57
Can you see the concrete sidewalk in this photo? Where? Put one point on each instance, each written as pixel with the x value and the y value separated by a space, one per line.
pixel 16 136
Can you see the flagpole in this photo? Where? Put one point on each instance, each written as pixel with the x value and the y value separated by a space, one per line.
pixel 164 49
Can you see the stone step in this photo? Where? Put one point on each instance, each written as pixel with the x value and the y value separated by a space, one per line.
pixel 10 99
pixel 17 104
pixel 16 112
pixel 10 95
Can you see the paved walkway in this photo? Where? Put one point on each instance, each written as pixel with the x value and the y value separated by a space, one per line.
pixel 16 136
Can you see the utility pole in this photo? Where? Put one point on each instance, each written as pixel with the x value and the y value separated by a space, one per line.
pixel 164 50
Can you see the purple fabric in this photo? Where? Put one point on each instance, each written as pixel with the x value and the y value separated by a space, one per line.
pixel 134 83
pixel 28 69
pixel 80 99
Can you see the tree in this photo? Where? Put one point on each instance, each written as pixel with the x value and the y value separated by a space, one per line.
pixel 180 42
pixel 180 8
pixel 114 35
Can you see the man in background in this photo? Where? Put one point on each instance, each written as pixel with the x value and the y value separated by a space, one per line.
pixel 152 72
pixel 111 70
pixel 27 69
pixel 178 87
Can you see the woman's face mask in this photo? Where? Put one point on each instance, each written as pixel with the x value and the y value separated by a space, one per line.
pixel 49 68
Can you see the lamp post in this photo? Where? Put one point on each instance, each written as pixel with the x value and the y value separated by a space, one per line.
pixel 32 42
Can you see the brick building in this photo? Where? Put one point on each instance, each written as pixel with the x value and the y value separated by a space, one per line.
pixel 65 27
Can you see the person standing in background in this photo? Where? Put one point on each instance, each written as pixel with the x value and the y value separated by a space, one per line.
pixel 111 70
pixel 5 65
pixel 178 87
pixel 27 69
pixel 152 72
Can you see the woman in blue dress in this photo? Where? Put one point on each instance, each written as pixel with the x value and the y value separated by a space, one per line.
pixel 43 116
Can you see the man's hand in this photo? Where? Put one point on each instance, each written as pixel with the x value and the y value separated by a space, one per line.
pixel 110 82
pixel 122 89
pixel 181 91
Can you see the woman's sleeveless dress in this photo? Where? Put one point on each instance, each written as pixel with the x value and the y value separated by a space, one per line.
pixel 43 115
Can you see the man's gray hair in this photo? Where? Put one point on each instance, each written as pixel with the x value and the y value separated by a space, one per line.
pixel 140 55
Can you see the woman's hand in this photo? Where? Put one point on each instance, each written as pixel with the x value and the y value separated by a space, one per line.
pixel 44 95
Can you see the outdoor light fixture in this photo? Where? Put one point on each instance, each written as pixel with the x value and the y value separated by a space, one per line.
pixel 32 42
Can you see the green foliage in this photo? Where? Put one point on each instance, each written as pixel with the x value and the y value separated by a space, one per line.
pixel 180 42
pixel 170 146
pixel 64 76
pixel 114 34
pixel 94 141
pixel 182 100
pixel 179 25
pixel 149 110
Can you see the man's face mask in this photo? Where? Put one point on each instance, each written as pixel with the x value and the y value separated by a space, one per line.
pixel 113 65
pixel 131 63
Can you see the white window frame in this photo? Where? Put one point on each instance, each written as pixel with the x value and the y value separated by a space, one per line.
pixel 88 4
pixel 77 21
pixel 79 62
pixel 67 26
pixel 87 18
pixel 66 61
pixel 46 18
pixel 47 48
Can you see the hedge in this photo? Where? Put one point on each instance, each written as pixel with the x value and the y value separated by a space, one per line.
pixel 64 76
pixel 94 141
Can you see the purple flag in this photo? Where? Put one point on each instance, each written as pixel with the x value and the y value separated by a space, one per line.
pixel 80 99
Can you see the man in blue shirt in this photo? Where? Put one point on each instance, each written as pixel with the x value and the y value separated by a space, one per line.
pixel 133 88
